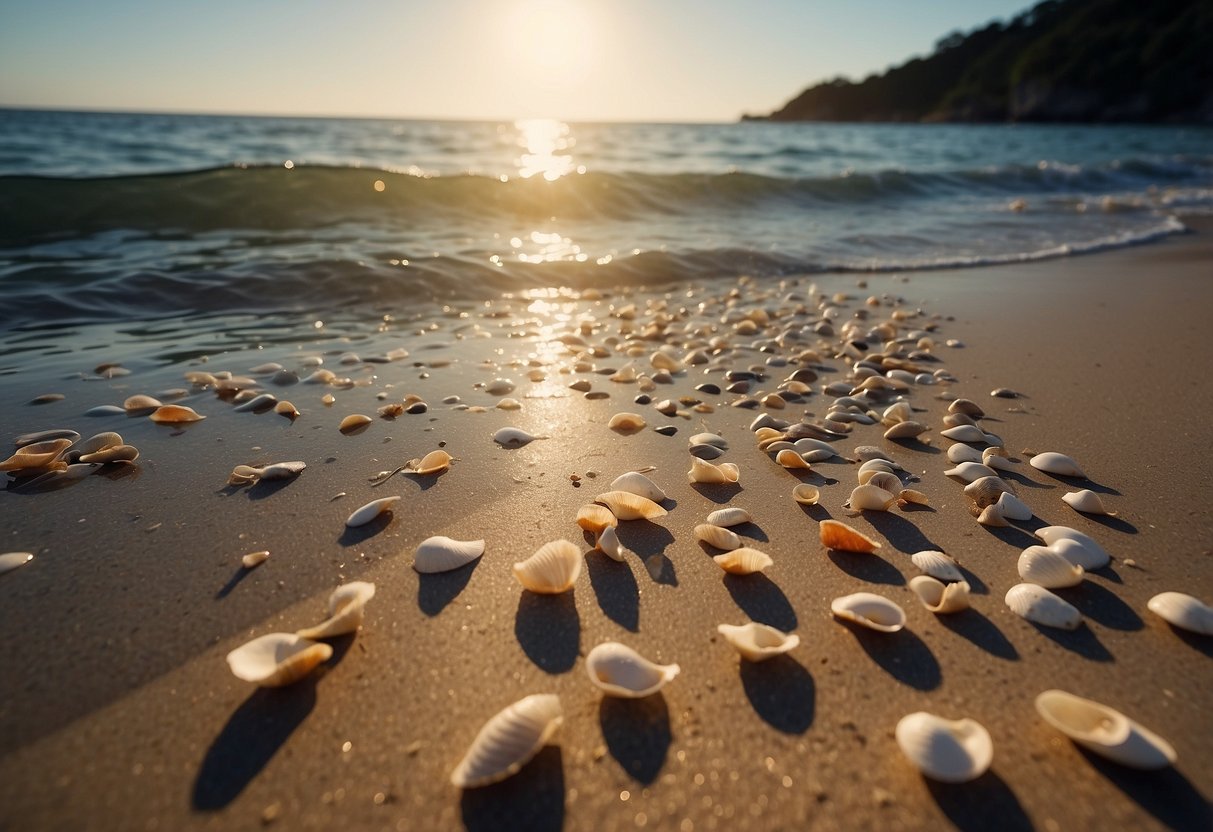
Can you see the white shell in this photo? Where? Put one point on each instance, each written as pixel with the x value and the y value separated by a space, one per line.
pixel 369 512
pixel 870 610
pixel 608 543
pixel 620 671
pixel 908 429
pixel 1055 463
pixel 1104 730
pixel 553 568
pixel 499 387
pixel 758 642
pixel 706 472
pixel 639 484
pixel 937 565
pixel 514 437
pixel 951 751
pixel 11 560
pixel 743 561
pixel 870 498
pixel 995 458
pixel 717 536
pixel 509 740
pixel 346 609
pixel 968 433
pixel 806 494
pixel 1086 501
pixel 729 516
pixel 985 491
pixel 959 453
pixel 277 659
pixel 628 506
pixel 790 459
pixel 282 470
pixel 1038 605
pixel 1042 566
pixel 971 471
pixel 939 597
pixel 1013 508
pixel 1183 611
pixel 1081 548
pixel 442 554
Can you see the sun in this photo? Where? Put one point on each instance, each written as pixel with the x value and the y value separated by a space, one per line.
pixel 552 39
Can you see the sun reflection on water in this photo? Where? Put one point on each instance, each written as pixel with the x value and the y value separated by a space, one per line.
pixel 546 143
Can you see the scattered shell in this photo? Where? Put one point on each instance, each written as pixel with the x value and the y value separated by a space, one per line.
pixel 706 472
pixel 104 410
pixel 141 402
pixel 113 453
pixel 790 459
pixel 11 560
pixel 882 479
pixel 1086 501
pixel 285 408
pixel 346 609
pixel 938 597
pixel 1054 463
pixel 1104 730
pixel 968 433
pixel 59 433
pixel 257 404
pixel 508 741
pixel 806 494
pixel 626 422
pixel 1078 548
pixel 709 439
pixel 870 498
pixel 951 751
pixel 992 516
pixel 514 437
pixel 996 457
pixel 1044 567
pixel 906 430
pixel 172 414
pixel 758 642
pixel 937 565
pixel 960 452
pixel 553 568
pixel 353 422
pixel 967 407
pixel 36 455
pixel 870 610
pixel 1038 605
pixel 277 659
pixel 370 511
pixel 628 506
pixel 499 387
pixel 1013 508
pixel 706 451
pixel 608 543
pixel 907 496
pixel 435 462
pixel 595 518
pixel 1183 611
pixel 971 471
pixel 620 671
pixel 253 559
pixel 743 561
pixel 717 536
pixel 637 483
pixel 729 516
pixel 840 536
pixel 442 554
pixel 985 491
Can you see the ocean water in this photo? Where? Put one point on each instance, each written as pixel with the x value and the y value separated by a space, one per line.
pixel 112 217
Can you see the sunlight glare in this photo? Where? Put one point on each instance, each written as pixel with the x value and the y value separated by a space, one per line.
pixel 546 143
pixel 553 37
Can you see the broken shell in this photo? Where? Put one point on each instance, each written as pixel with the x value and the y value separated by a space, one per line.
pixel 806 494
pixel 628 506
pixel 347 607
pixel 637 483
pixel 353 422
pixel 971 471
pixel 277 659
pixel 435 462
pixel 1038 605
pixel 706 472
pixel 840 536
pixel 791 459
pixel 1086 501
pixel 870 610
pixel 553 568
pixel 758 642
pixel 253 559
pixel 1044 567
pixel 114 453
pixel 508 741
pixel 743 561
pixel 937 565
pixel 608 543
pixel 514 437
pixel 11 560
pixel 141 402
pixel 1104 730
pixel 626 422
pixel 950 751
pixel 716 536
pixel 870 498
pixel 729 516
pixel 985 491
pixel 1183 611
pixel 594 518
pixel 906 430
pixel 369 512
pixel 172 414
pixel 1081 548
pixel 36 455
pixel 1012 507
pixel 1055 463
pixel 960 452
pixel 938 597
pixel 442 554
pixel 243 475
pixel 620 671
pixel 969 433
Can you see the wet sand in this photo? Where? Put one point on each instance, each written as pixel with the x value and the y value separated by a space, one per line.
pixel 117 710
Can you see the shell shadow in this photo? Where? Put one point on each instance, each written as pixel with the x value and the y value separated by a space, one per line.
pixel 902 655
pixel 915 445
pixel 424 482
pixel 981 804
pixel 1199 643
pixel 1117 524
pixel 644 538
pixel 1082 482
pixel 435 591
pixel 1011 535
pixel 1166 794
pixel 752 531
pixel 548 630
pixel 981 631
pixel 904 535
pixel 817 512
pixel 531 799
pixel 360 534
pixel 239 575
pixel 762 600
pixel 781 692
pixel 637 733
pixel 720 493
pixel 1082 641
pixel 871 568
pixel 249 740
pixel 262 489
pixel 616 590
pixel 1099 604
pixel 1021 479
pixel 661 570
pixel 976 585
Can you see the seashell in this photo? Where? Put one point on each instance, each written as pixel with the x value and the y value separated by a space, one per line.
pixel 59 433
pixel 11 560
pixel 244 475
pixel 906 430
pixel 353 422
pixel 36 455
pixel 553 568
pixel 791 459
pixel 907 496
pixel 620 671
pixel 258 403
pixel 254 559
pixel 709 439
pixel 870 610
pixel 1038 605
pixel 971 471
pixel 807 445
pixel 883 479
pixel 729 516
pixel 96 442
pixel 996 457
pixel 950 751
pixel 327 399
pixel 743 561
pixel 758 642
pixel 104 410
pixel 625 374
pixel 840 536
pixel 435 462
pixel 285 408
pixel 717 536
pixel 370 511
pixel 391 411
pixel 637 483
pixel 282 470
pixel 953 420
pixel 806 494
pixel 985 491
pixel 708 473
pixel 1105 731
pixel 938 597
pixel 960 452
pixel 626 422
pixel 141 402
pixel 664 361
pixel 706 451
pixel 992 516
pixel 595 518
pixel 346 609
pixel 967 407
pixel 870 498
pixel 937 565
pixel 628 506
pixel 1045 567
pixel 899 412
pixel 608 543
pixel 1183 611
pixel 265 369
pixel 968 433
pixel 320 377
pixel 1012 507
pixel 172 414
pixel 1054 463
pixel 499 387
pixel 1081 549
pixel 284 378
pixel 277 659
pixel 114 453
pixel 1086 501
pixel 514 437
pixel 508 741
pixel 442 554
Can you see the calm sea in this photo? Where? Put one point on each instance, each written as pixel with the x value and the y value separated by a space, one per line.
pixel 122 216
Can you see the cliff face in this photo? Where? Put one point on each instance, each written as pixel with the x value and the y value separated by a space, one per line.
pixel 1062 60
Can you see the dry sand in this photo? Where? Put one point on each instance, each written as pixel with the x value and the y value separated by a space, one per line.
pixel 117 710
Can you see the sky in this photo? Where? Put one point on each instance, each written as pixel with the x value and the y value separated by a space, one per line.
pixel 585 60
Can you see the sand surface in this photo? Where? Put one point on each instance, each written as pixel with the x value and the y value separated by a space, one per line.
pixel 117 709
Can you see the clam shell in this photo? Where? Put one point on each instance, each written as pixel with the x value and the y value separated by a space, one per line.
pixel 514 437
pixel 1054 463
pixel 254 559
pixel 717 536
pixel 939 597
pixel 937 565
pixel 1044 567
pixel 347 606
pixel 258 403
pixel 992 516
pixel 140 402
pixel 114 453
pixel 907 496
pixel 951 751
pixel 706 472
pixel 620 671
pixel 729 516
pixel 1104 730
pixel 968 433
pixel 637 483
pixel 36 454
pixel 1086 501
pixel 369 512
pixel 1183 611
pixel 1013 508
pixel 285 408
pixel 553 568
pixel 790 459
pixel 11 560
pixel 96 442
pixel 806 494
pixel 435 462
pixel 353 422
pixel 873 611
pixel 508 741
pixel 996 458
pixel 743 561
pixel 906 430
pixel 967 407
pixel 172 414
pixel 837 535
pixel 971 471
pixel 277 659
pixel 710 439
pixel 1038 605
pixel 1081 550
pixel 758 642
pixel 883 479
pixel 960 452
pixel 608 543
pixel 628 506
pixel 985 491
pixel 594 518
pixel 870 498
pixel 899 412
pixel 442 554
pixel 706 451
pixel 626 422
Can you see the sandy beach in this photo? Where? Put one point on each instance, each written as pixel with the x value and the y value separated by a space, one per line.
pixel 118 711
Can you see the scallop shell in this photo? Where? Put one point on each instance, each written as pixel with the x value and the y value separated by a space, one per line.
pixel 806 494
pixel 729 516
pixel 870 498
pixel 620 671
pixel 435 462
pixel 594 518
pixel 938 597
pixel 1044 567
pixel 1038 605
pixel 1081 549
pixel 508 741
pixel 1183 611
pixel 140 402
pixel 717 536
pixel 637 483
pixel 514 437
pixel 254 559
pixel 1012 507
pixel 951 751
pixel 277 659
pixel 967 433
pixel 628 506
pixel 840 536
pixel 626 422
pixel 960 452
pixel 369 512
pixel 906 430
pixel 1104 730
pixel 873 611
pixel 11 560
pixel 1054 463
pixel 1086 501
pixel 608 543
pixel 553 568
pixel 347 606
pixel 442 554
pixel 743 561
pixel 971 471
pixel 937 565
pixel 706 472
pixel 36 455
pixel 758 642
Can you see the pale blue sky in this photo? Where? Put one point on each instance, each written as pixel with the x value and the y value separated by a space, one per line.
pixel 661 60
